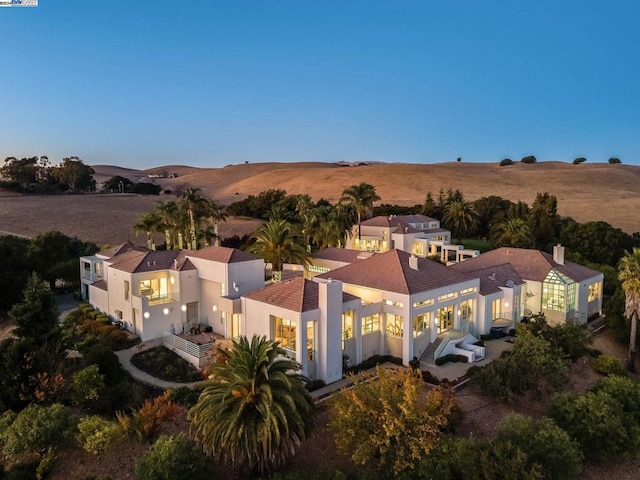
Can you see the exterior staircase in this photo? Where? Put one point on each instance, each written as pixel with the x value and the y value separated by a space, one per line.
pixel 427 355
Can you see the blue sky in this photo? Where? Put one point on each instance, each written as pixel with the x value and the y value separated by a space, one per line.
pixel 209 83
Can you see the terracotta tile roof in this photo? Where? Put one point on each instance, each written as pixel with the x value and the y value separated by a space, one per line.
pixel 529 264
pixel 222 255
pixel 135 261
pixel 405 228
pixel 390 271
pixel 395 220
pixel 345 255
pixel 492 278
pixel 101 284
pixel 119 249
pixel 298 295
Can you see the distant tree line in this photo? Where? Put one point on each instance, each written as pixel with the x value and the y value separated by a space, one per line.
pixel 120 184
pixel 38 175
pixel 532 159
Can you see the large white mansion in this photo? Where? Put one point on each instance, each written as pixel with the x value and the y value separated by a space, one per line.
pixel 382 301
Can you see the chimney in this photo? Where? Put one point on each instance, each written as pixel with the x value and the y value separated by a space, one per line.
pixel 413 262
pixel 558 254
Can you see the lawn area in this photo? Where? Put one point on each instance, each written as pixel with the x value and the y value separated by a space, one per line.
pixel 163 363
pixel 476 244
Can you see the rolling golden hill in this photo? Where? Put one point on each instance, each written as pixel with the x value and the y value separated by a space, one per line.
pixel 586 192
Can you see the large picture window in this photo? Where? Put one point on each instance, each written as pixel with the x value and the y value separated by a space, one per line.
pixel 394 325
pixel 347 325
pixel 284 332
pixel 558 292
pixel 154 288
pixel 371 324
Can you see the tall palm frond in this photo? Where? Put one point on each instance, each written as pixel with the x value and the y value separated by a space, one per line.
pixel 254 410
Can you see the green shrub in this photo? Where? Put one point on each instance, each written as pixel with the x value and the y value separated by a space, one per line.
pixel 107 363
pixel 87 385
pixel 506 161
pixel 608 365
pixel 371 362
pixel 185 396
pixel 455 459
pixel 528 159
pixel 451 358
pixel 596 421
pixel 172 458
pixel 97 434
pixel 35 429
pixel 626 392
pixel 533 366
pixel 579 160
pixel 545 443
pixel 614 160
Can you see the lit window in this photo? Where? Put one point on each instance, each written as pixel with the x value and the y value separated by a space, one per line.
pixel 311 346
pixel 423 303
pixel 284 332
pixel 421 323
pixel 558 292
pixel 496 309
pixel 317 269
pixel 468 290
pixel 347 325
pixel 393 303
pixel 371 324
pixel 594 291
pixel 447 296
pixel 394 325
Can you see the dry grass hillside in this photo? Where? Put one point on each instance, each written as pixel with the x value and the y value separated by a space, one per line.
pixel 585 192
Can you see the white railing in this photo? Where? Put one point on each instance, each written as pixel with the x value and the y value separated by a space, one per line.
pixel 190 325
pixel 173 341
pixel 441 347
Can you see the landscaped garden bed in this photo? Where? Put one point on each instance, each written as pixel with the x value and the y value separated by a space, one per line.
pixel 163 363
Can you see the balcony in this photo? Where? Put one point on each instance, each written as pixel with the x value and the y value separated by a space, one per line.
pixel 153 299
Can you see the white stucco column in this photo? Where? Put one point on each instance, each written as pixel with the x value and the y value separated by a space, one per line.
pixel 329 341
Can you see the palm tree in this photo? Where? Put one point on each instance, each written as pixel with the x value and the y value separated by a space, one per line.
pixel 194 203
pixel 629 275
pixel 461 218
pixel 361 196
pixel 170 218
pixel 254 410
pixel 217 214
pixel 278 243
pixel 513 232
pixel 148 223
pixel 206 234
pixel 328 234
pixel 309 224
